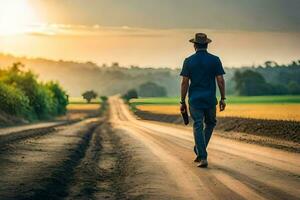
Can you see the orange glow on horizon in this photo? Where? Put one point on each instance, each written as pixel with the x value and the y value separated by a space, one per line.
pixel 25 23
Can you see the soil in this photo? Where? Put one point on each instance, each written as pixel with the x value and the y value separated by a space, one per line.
pixel 276 133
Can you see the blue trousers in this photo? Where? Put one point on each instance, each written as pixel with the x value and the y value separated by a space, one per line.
pixel 202 134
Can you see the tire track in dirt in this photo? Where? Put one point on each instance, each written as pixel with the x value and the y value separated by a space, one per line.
pixel 117 167
pixel 42 167
pixel 98 175
pixel 83 182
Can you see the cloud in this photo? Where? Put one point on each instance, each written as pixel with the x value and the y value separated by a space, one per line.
pixel 254 15
pixel 33 33
pixel 95 30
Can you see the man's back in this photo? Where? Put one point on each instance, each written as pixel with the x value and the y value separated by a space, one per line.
pixel 199 74
pixel 202 68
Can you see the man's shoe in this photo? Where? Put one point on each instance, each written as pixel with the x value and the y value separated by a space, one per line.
pixel 197 159
pixel 203 164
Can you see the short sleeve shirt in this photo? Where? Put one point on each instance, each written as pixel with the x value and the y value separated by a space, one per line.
pixel 202 69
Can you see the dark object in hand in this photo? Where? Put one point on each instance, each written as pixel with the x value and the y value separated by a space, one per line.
pixel 222 105
pixel 185 117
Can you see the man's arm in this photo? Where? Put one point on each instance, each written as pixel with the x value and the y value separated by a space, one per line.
pixel 185 83
pixel 221 85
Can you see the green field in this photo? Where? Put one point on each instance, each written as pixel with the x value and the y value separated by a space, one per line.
pixel 230 99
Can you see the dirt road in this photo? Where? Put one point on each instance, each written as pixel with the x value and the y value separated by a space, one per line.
pixel 120 157
pixel 236 170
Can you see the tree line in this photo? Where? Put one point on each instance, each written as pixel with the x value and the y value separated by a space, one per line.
pixel 148 89
pixel 89 95
pixel 117 79
pixel 23 96
pixel 272 79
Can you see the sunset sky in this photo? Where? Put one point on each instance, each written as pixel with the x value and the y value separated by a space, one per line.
pixel 151 33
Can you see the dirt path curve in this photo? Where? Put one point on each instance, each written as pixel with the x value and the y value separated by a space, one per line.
pixel 236 170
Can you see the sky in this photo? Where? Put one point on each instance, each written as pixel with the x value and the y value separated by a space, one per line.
pixel 151 33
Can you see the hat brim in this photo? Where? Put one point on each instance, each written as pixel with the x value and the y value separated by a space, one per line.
pixel 204 42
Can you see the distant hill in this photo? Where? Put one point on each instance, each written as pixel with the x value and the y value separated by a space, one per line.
pixel 78 77
pixel 109 80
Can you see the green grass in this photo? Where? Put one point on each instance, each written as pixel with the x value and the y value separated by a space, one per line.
pixel 230 99
pixel 80 100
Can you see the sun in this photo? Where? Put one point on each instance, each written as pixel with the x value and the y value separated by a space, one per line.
pixel 15 16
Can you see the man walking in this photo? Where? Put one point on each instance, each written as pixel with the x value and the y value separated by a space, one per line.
pixel 199 74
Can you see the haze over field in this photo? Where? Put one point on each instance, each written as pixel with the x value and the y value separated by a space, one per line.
pixel 149 33
pixel 113 79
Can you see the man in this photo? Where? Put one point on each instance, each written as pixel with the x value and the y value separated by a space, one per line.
pixel 199 75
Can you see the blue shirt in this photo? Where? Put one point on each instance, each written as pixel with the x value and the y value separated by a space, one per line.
pixel 202 68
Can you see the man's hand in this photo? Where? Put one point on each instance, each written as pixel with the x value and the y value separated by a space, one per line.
pixel 184 89
pixel 222 105
pixel 221 85
pixel 183 108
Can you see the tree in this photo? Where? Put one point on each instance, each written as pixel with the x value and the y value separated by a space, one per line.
pixel 89 95
pixel 130 94
pixel 271 64
pixel 250 83
pixel 151 89
pixel 103 98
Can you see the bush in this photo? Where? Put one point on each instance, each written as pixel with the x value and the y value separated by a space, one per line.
pixel 22 90
pixel 44 103
pixel 60 97
pixel 14 102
